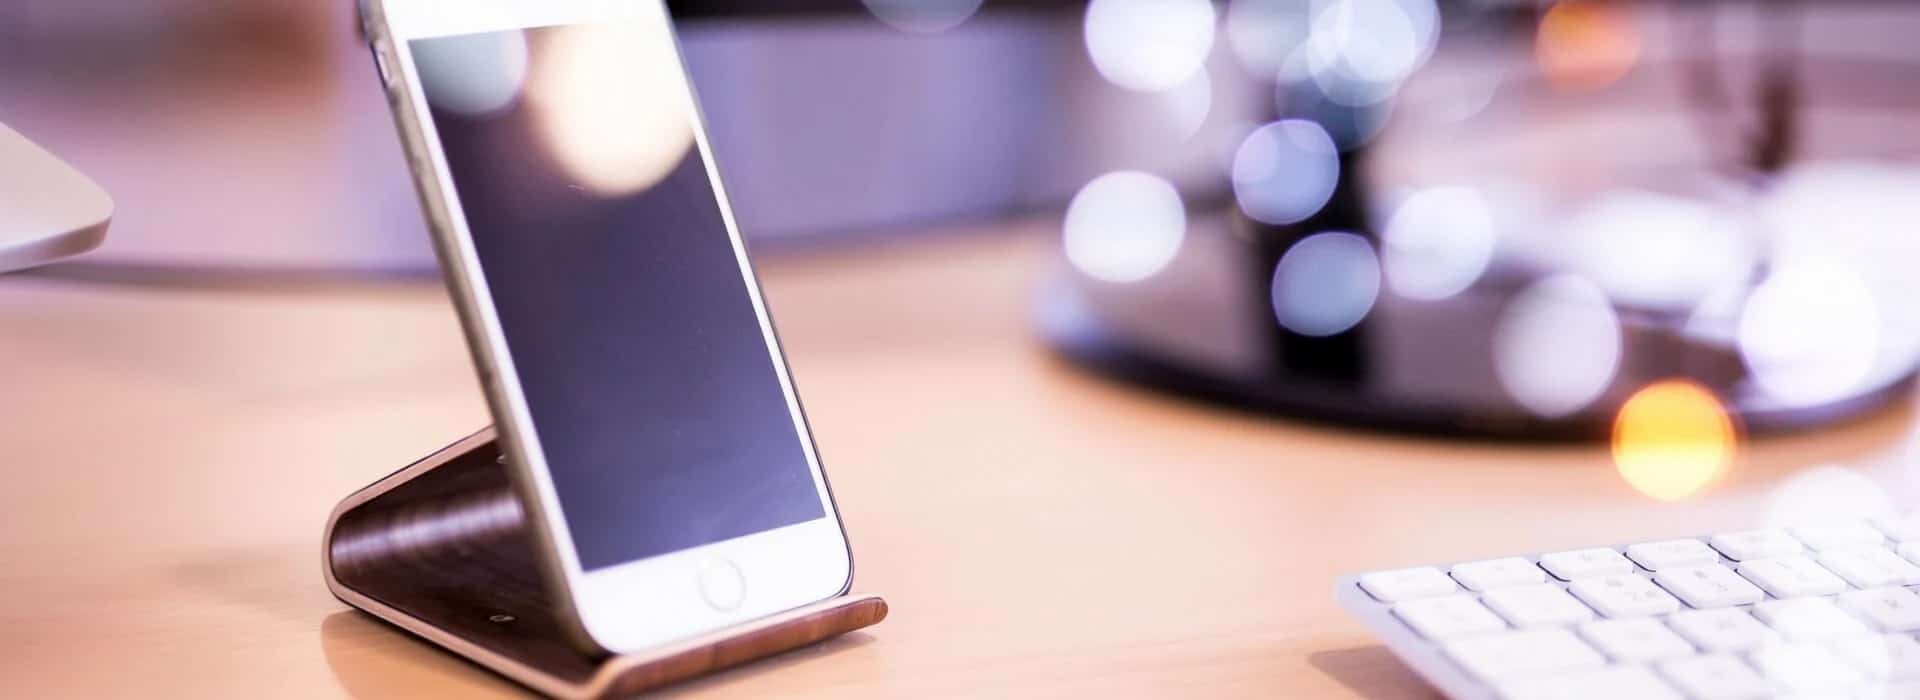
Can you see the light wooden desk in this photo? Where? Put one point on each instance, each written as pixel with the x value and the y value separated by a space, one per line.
pixel 171 454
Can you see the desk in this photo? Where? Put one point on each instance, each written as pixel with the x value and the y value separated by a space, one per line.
pixel 172 453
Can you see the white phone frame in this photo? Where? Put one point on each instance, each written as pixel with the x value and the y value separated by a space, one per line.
pixel 647 602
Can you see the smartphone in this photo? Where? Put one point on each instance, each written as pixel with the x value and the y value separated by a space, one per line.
pixel 637 385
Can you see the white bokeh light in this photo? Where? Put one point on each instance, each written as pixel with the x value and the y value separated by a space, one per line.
pixel 1286 171
pixel 1438 243
pixel 1149 45
pixel 1124 226
pixel 1656 250
pixel 1188 104
pixel 613 105
pixel 473 75
pixel 1359 51
pixel 1325 284
pixel 922 16
pixel 1810 333
pixel 1556 345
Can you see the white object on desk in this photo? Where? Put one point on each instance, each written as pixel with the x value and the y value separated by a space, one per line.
pixel 48 210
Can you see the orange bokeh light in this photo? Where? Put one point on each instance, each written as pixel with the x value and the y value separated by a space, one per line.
pixel 1672 438
pixel 1586 45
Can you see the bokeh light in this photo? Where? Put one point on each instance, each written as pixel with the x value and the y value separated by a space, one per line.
pixel 1189 103
pixel 1149 45
pixel 1438 243
pixel 473 75
pixel 1586 45
pixel 1809 334
pixel 1325 284
pixel 1671 439
pixel 1656 250
pixel 1286 171
pixel 1124 226
pixel 1556 345
pixel 922 16
pixel 613 105
pixel 1359 51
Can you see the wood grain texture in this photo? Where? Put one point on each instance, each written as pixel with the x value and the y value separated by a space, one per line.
pixel 444 542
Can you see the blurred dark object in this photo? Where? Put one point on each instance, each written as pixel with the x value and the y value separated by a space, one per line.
pixel 1569 202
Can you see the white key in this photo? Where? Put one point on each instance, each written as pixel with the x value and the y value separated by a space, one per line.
pixel 1710 586
pixel 1582 563
pixel 1806 668
pixel 1603 684
pixel 1899 528
pixel 1756 544
pixel 1635 641
pixel 1508 654
pixel 1717 677
pixel 1870 567
pixel 1888 609
pixel 1882 657
pixel 1498 573
pixel 1672 553
pixel 1792 577
pixel 1538 604
pixel 1808 619
pixel 1624 595
pixel 1448 617
pixel 1838 536
pixel 1725 629
pixel 1408 584
pixel 1910 551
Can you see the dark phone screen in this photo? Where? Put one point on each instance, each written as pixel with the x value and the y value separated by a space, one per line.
pixel 626 313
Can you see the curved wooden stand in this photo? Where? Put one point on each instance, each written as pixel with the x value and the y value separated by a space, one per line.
pixel 440 549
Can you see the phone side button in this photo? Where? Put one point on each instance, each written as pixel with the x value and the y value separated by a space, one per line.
pixel 722 585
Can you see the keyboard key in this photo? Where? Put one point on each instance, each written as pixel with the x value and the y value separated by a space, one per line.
pixel 1538 604
pixel 1498 573
pixel 1448 617
pixel 1792 577
pixel 1717 677
pixel 1711 586
pixel 1887 609
pixel 1583 563
pixel 1870 567
pixel 1910 551
pixel 1899 528
pixel 1884 657
pixel 1624 595
pixel 1808 619
pixel 1655 556
pixel 1824 537
pixel 1806 668
pixel 1509 654
pixel 1756 544
pixel 1725 629
pixel 1603 684
pixel 1635 641
pixel 1407 584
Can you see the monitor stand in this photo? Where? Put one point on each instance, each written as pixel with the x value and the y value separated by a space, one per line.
pixel 51 210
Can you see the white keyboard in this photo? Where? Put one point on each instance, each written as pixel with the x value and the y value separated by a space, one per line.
pixel 1827 612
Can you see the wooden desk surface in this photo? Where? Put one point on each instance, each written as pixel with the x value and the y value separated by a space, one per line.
pixel 171 454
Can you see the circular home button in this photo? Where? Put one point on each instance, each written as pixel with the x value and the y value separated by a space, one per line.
pixel 722 584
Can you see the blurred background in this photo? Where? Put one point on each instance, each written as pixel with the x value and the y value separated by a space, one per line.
pixel 1465 217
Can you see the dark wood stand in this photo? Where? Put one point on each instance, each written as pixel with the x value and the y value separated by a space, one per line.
pixel 440 549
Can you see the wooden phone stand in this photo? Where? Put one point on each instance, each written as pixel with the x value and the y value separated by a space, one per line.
pixel 441 549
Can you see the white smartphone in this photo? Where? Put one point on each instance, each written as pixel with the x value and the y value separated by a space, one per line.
pixel 638 388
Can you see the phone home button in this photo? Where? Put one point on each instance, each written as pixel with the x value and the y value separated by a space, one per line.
pixel 722 585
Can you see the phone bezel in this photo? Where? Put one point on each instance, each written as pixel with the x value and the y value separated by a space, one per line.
pixel 645 602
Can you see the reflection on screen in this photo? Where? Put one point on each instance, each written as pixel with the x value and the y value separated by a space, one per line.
pixel 625 313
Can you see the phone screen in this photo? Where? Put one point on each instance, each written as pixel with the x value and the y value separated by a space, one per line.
pixel 658 403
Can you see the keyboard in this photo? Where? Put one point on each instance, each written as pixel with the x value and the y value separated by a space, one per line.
pixel 1819 611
